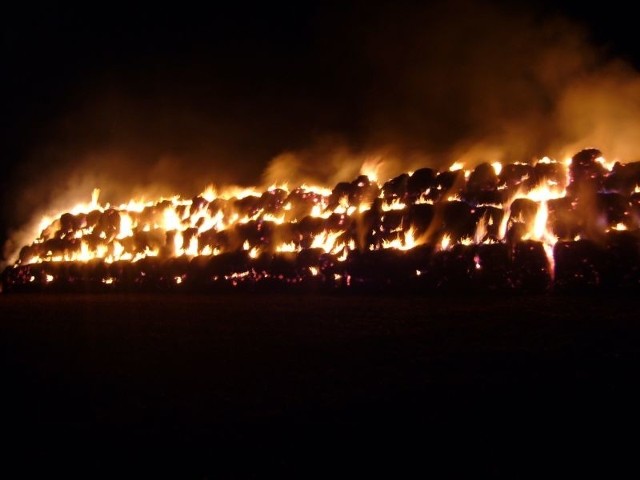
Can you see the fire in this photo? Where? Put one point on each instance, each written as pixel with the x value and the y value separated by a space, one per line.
pixel 326 240
pixel 520 202
pixel 405 241
pixel 371 168
pixel 445 242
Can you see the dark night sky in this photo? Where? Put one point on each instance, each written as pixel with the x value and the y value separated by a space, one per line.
pixel 186 95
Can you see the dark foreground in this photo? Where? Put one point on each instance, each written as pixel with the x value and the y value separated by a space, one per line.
pixel 319 386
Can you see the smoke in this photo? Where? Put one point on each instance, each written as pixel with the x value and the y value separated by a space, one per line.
pixel 472 82
pixel 398 86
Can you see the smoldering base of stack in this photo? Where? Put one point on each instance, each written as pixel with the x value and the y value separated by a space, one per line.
pixel 523 266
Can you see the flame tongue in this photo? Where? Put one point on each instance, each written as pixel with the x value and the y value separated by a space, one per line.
pixel 493 203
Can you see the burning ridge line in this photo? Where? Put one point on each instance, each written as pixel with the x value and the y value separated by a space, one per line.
pixel 546 225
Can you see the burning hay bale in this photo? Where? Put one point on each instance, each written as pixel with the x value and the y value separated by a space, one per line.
pixel 523 226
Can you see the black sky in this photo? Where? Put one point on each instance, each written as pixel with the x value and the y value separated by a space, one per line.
pixel 185 92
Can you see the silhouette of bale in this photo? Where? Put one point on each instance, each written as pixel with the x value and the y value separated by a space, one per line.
pixel 523 210
pixel 531 271
pixel 579 265
pixel 150 272
pixel 29 252
pixel 72 223
pixel 247 206
pixel 491 218
pixel 340 193
pixel 419 182
pixel 563 221
pixel 337 222
pixel 228 263
pixel 486 197
pixel 396 187
pixel 108 225
pixel 309 228
pixel 492 267
pixel 623 178
pixel 447 184
pixel 272 201
pixel 221 206
pixel 392 221
pixel 363 190
pixel 452 270
pixel 92 218
pixel 613 207
pixel 514 176
pixel 283 266
pixel 57 247
pixel 544 173
pixel 198 203
pixel 418 268
pixel 24 278
pixel 302 203
pixel 585 172
pixel 125 273
pixel 483 178
pixel 622 254
pixel 379 269
pixel 420 216
pixel 522 216
pixel 458 220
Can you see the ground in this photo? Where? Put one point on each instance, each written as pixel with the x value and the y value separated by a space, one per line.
pixel 245 385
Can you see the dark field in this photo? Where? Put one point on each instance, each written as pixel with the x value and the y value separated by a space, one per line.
pixel 319 386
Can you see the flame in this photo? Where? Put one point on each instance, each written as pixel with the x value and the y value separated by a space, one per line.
pixel 207 224
pixel 325 240
pixel 396 204
pixel 605 163
pixel 445 242
pixel 407 242
pixel 287 247
pixel 481 230
pixel 371 169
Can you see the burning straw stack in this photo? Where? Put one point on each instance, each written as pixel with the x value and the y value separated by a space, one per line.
pixel 517 227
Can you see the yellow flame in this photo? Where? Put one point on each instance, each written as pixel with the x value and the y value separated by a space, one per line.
pixel 481 230
pixel 396 204
pixel 371 168
pixel 445 242
pixel 605 163
pixel 287 247
pixel 620 227
pixel 177 243
pixel 325 240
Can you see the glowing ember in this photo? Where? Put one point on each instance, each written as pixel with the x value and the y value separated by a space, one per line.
pixel 513 210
